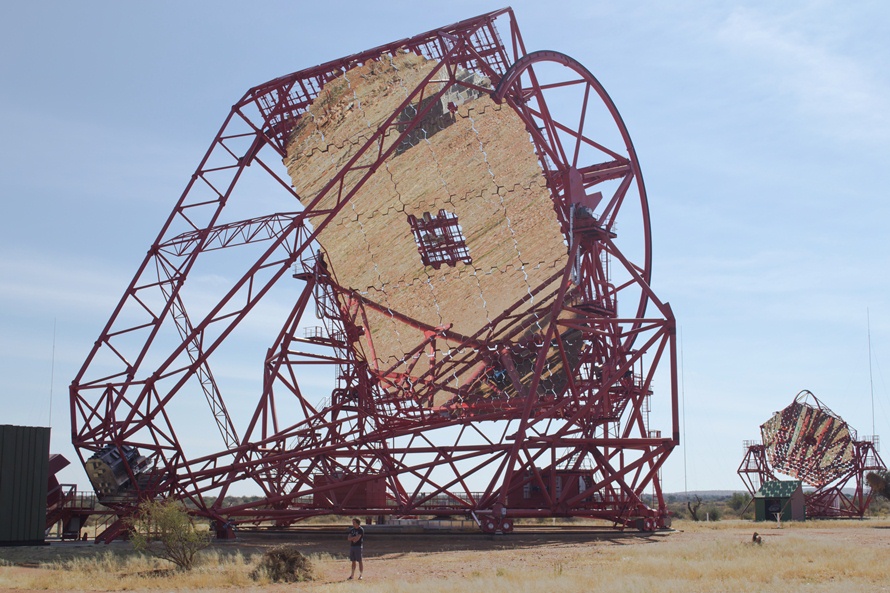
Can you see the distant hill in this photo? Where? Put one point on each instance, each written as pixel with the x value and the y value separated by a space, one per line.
pixel 704 494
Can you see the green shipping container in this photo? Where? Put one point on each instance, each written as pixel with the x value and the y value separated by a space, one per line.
pixel 24 472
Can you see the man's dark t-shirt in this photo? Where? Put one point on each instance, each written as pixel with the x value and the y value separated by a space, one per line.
pixel 354 531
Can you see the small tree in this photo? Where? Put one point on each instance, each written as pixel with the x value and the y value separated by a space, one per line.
pixel 163 528
pixel 738 500
pixel 713 512
pixel 879 482
pixel 693 508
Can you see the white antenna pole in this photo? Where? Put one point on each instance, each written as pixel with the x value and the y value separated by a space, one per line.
pixel 871 382
pixel 52 372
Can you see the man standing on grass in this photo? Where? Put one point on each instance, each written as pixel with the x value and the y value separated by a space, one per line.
pixel 356 535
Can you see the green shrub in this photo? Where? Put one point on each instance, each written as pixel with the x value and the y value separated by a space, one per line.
pixel 163 528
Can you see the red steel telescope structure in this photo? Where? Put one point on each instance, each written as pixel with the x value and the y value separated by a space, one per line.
pixel 809 442
pixel 411 281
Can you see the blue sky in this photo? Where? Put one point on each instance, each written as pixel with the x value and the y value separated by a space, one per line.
pixel 762 128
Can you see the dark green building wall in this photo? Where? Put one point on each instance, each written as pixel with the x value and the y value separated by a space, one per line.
pixel 765 509
pixel 24 468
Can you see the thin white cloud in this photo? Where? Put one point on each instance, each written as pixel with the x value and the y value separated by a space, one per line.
pixel 835 92
pixel 32 282
pixel 65 285
pixel 83 151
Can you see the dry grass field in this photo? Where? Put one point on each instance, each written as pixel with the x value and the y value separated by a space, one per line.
pixel 708 557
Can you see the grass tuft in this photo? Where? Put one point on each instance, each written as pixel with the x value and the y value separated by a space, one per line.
pixel 283 564
pixel 118 572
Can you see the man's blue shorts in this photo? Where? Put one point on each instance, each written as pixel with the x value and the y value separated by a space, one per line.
pixel 355 553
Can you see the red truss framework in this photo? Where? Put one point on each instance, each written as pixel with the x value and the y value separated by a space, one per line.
pixel 550 415
pixel 809 442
